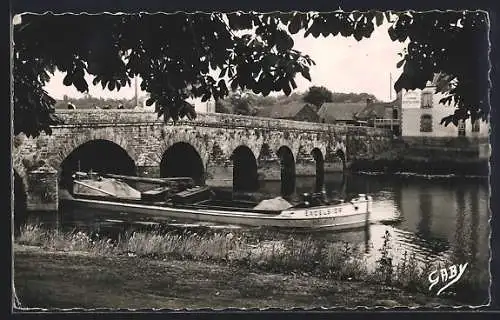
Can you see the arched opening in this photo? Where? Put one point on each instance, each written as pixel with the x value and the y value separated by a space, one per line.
pixel 20 206
pixel 334 160
pixel 287 164
pixel 101 156
pixel 340 155
pixel 320 169
pixel 245 176
pixel 182 160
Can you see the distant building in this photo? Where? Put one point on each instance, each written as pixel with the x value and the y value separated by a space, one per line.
pixel 375 114
pixel 296 110
pixel 340 113
pixel 385 115
pixel 422 113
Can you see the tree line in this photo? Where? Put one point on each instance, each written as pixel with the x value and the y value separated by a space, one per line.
pixel 250 104
pixel 89 102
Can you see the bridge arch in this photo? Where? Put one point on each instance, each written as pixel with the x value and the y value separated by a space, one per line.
pixel 99 155
pixel 241 140
pixel 320 168
pixel 95 134
pixel 182 160
pixel 172 135
pixel 335 157
pixel 340 154
pixel 287 164
pixel 245 176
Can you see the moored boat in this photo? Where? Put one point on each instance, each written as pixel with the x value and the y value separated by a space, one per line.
pixel 197 203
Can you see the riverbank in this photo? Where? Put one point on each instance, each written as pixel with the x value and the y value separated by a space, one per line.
pixel 53 267
pixel 53 279
pixel 426 159
pixel 423 167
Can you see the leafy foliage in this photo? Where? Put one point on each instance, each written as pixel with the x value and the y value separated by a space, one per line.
pixel 318 95
pixel 353 97
pixel 176 56
pixel 249 103
pixel 241 104
pixel 452 44
pixel 222 106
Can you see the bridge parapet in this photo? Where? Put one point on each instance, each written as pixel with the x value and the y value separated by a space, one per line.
pixel 106 117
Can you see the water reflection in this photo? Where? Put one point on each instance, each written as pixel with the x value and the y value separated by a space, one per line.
pixel 437 220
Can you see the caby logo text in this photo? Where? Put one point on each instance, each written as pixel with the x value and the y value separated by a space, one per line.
pixel 446 276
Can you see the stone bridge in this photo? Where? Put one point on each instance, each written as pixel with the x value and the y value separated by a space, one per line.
pixel 216 149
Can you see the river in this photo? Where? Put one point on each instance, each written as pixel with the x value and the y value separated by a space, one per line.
pixel 437 219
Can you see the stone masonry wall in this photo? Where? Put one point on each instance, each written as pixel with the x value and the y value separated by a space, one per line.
pixel 146 138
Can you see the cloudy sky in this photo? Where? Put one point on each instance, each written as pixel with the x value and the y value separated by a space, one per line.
pixel 342 65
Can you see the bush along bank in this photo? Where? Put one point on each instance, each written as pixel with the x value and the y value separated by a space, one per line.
pixel 306 256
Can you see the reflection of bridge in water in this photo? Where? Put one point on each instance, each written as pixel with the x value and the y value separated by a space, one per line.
pixel 216 149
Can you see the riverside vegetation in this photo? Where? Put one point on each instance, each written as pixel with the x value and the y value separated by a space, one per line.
pixel 305 256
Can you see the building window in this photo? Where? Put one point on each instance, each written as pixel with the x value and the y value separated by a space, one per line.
pixel 475 126
pixel 427 99
pixel 461 128
pixel 426 123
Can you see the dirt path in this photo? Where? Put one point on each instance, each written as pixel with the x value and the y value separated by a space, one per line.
pixel 77 280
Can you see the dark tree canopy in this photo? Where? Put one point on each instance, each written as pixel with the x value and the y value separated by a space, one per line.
pixel 318 95
pixel 237 103
pixel 353 97
pixel 176 56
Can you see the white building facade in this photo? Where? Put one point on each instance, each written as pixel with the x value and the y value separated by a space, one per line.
pixel 421 114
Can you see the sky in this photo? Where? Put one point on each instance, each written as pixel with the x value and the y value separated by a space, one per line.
pixel 342 65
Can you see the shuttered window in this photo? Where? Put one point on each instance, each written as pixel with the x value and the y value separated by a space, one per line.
pixel 426 123
pixel 427 100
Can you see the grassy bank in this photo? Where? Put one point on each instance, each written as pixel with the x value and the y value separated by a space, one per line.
pixel 55 279
pixel 288 257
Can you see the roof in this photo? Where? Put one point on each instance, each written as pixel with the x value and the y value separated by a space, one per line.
pixel 287 110
pixel 334 111
pixel 375 109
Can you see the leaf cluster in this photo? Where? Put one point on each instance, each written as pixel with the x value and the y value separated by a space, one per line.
pixel 181 56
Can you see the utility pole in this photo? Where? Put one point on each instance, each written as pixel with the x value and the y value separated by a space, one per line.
pixel 136 99
pixel 390 86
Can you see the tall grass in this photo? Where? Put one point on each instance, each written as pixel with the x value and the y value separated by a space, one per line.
pixel 340 261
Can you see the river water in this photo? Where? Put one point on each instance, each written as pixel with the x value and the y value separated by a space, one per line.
pixel 437 219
